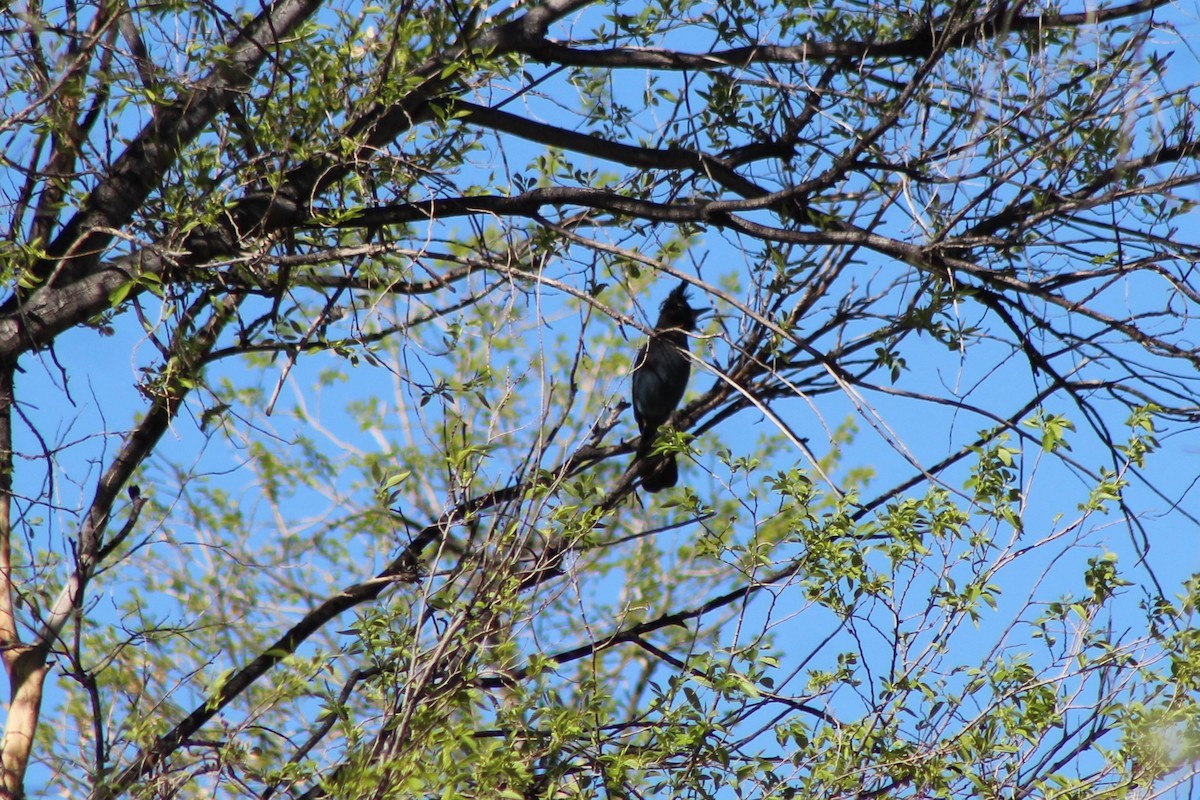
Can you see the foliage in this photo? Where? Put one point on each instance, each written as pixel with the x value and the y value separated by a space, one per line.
pixel 316 470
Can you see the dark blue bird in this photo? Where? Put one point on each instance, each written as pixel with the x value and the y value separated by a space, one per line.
pixel 660 376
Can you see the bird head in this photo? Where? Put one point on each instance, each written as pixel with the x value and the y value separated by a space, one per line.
pixel 675 312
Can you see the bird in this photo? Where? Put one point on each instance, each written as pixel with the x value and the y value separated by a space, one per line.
pixel 660 376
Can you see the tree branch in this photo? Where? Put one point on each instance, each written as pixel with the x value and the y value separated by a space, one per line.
pixel 919 45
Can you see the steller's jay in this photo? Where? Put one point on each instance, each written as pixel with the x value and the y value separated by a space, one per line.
pixel 660 376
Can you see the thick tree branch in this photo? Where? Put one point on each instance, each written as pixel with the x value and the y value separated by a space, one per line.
pixel 918 45
pixel 588 144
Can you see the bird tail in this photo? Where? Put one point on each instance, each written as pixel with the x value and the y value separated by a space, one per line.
pixel 658 472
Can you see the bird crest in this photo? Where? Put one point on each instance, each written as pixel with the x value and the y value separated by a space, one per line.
pixel 675 311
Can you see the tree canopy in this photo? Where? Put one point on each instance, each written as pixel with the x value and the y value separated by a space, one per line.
pixel 317 466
